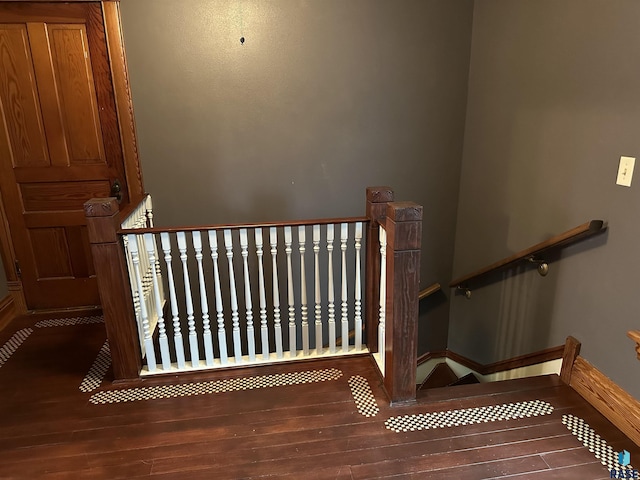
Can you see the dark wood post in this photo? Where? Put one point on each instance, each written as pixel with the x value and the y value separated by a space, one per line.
pixel 404 235
pixel 377 198
pixel 103 222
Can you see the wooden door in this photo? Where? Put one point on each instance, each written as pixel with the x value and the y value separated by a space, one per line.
pixel 59 144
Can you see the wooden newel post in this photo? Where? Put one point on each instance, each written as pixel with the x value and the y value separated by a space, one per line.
pixel 404 235
pixel 102 216
pixel 377 199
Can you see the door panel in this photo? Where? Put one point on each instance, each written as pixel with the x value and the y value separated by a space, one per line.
pixel 59 144
pixel 19 99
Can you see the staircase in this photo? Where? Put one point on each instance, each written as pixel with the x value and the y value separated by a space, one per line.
pixel 443 376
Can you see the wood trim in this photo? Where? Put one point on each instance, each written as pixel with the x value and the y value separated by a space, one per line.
pixel 7 253
pixel 635 336
pixel 124 102
pixel 578 233
pixel 16 290
pixel 430 290
pixel 527 360
pixel 284 223
pixel 7 311
pixel 608 398
pixel 571 352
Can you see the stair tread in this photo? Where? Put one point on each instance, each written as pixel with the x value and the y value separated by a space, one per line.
pixel 487 389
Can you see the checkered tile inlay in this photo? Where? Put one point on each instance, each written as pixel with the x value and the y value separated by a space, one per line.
pixel 217 386
pixel 62 322
pixel 363 396
pixel 13 343
pixel 93 379
pixel 596 445
pixel 468 416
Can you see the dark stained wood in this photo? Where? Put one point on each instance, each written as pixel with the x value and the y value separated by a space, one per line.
pixel 440 376
pixel 404 236
pixel 571 352
pixel 113 281
pixel 571 236
pixel 236 226
pixel 310 431
pixel 7 311
pixel 377 199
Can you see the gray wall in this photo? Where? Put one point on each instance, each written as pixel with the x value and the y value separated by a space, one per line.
pixel 554 96
pixel 324 98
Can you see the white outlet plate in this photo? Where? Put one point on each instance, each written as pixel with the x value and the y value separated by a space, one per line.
pixel 625 171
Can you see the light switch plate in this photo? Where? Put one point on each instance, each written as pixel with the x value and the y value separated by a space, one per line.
pixel 625 171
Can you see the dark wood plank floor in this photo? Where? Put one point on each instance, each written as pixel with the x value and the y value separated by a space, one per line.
pixel 49 429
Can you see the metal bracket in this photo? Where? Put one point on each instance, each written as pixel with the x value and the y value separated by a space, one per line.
pixel 464 291
pixel 543 266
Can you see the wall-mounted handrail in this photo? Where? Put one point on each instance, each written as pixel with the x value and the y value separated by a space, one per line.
pixel 430 290
pixel 533 254
pixel 635 336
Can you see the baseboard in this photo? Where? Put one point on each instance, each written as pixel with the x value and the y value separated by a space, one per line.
pixel 619 407
pixel 543 362
pixel 7 311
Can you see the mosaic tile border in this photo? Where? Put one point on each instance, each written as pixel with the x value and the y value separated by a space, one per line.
pixel 63 322
pixel 96 373
pixel 468 416
pixel 363 396
pixel 217 386
pixel 596 444
pixel 11 345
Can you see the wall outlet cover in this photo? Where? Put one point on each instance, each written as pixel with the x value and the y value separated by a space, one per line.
pixel 625 171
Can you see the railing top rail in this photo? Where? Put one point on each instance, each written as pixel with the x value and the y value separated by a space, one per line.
pixel 128 209
pixel 291 223
pixel 570 236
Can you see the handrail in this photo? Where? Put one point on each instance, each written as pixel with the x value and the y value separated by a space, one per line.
pixel 292 223
pixel 531 254
pixel 635 336
pixel 430 290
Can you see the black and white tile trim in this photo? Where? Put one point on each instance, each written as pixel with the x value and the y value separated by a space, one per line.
pixel 62 322
pixel 217 386
pixel 363 396
pixel 96 373
pixel 596 445
pixel 12 344
pixel 468 416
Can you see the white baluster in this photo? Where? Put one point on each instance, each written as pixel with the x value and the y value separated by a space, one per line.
pixel 317 294
pixel 191 324
pixel 344 236
pixel 235 318
pixel 222 334
pixel 383 298
pixel 273 237
pixel 331 293
pixel 196 237
pixel 358 289
pixel 288 239
pixel 150 244
pixel 303 291
pixel 251 342
pixel 149 210
pixel 177 334
pixel 264 331
pixel 148 342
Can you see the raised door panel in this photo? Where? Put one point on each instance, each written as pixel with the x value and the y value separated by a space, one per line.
pixel 19 99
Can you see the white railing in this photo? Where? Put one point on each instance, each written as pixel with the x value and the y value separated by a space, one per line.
pixel 379 356
pixel 246 293
pixel 144 271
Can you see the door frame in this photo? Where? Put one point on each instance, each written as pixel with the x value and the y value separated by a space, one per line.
pixel 128 139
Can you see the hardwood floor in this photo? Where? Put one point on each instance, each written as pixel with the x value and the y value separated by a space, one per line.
pixel 50 429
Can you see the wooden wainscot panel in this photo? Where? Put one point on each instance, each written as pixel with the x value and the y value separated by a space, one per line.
pixel 7 311
pixel 608 398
